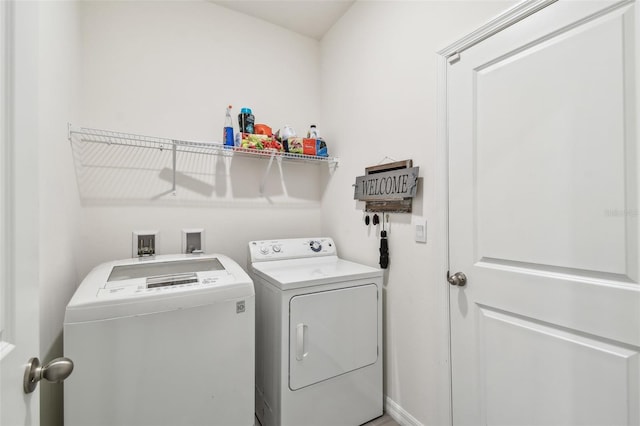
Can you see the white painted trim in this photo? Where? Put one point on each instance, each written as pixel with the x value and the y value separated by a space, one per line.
pixel 442 197
pixel 402 417
pixel 517 13
pixel 7 326
pixel 3 163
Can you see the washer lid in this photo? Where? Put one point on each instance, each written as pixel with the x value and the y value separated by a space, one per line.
pixel 296 273
pixel 132 287
pixel 130 271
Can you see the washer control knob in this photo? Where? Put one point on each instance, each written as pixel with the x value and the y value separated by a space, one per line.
pixel 315 246
pixel 264 250
pixel 276 248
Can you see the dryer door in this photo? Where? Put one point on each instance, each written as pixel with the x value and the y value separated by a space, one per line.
pixel 331 333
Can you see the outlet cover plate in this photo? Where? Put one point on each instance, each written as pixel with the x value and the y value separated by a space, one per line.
pixel 421 232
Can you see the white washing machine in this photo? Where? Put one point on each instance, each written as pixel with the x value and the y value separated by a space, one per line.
pixel 318 335
pixel 162 341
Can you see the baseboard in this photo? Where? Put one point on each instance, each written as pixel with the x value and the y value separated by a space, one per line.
pixel 402 417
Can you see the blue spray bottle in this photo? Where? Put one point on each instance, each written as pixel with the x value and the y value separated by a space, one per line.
pixel 228 128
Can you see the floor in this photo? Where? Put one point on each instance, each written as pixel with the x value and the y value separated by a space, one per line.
pixel 385 420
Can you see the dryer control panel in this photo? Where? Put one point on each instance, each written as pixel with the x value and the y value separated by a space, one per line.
pixel 292 248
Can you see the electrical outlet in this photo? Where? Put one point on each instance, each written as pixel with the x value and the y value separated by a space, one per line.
pixel 144 243
pixel 193 241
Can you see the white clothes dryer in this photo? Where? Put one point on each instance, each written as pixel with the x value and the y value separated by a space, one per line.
pixel 318 335
pixel 167 340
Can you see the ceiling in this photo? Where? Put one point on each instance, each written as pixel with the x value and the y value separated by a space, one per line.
pixel 312 18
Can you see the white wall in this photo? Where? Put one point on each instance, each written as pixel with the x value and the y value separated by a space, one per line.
pixel 59 205
pixel 379 100
pixel 169 69
pixel 166 69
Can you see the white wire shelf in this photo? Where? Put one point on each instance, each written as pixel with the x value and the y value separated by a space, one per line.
pixel 174 146
pixel 110 137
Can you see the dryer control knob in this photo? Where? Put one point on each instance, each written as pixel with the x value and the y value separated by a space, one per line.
pixel 264 250
pixel 315 246
pixel 276 249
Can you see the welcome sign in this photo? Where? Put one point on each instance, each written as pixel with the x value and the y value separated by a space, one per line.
pixel 391 185
pixel 388 188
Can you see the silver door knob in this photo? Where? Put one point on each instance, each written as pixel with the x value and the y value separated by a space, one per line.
pixel 55 371
pixel 458 279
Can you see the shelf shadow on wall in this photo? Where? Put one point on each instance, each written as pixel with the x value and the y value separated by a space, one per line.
pixel 125 175
pixel 184 181
pixel 284 180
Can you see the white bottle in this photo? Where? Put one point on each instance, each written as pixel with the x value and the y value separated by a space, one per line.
pixel 287 132
pixel 313 132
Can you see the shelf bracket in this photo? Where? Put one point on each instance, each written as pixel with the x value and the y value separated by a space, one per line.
pixel 174 151
pixel 333 165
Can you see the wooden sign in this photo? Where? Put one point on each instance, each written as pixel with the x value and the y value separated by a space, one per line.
pixel 393 185
pixel 388 187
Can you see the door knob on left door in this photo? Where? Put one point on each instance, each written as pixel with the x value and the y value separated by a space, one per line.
pixel 54 371
pixel 458 279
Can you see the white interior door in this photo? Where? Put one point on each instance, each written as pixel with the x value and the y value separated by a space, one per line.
pixel 19 309
pixel 543 203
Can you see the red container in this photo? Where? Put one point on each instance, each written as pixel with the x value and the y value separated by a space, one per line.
pixel 309 146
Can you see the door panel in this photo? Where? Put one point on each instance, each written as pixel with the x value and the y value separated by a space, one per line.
pixel 332 333
pixel 556 382
pixel 543 173
pixel 543 220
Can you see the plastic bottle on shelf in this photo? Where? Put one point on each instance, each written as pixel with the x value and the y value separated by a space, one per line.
pixel 313 132
pixel 227 135
pixel 246 120
pixel 287 132
pixel 284 134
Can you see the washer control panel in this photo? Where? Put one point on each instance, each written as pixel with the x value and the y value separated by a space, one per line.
pixel 293 248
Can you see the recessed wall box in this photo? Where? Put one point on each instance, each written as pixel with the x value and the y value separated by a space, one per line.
pixel 144 243
pixel 193 240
